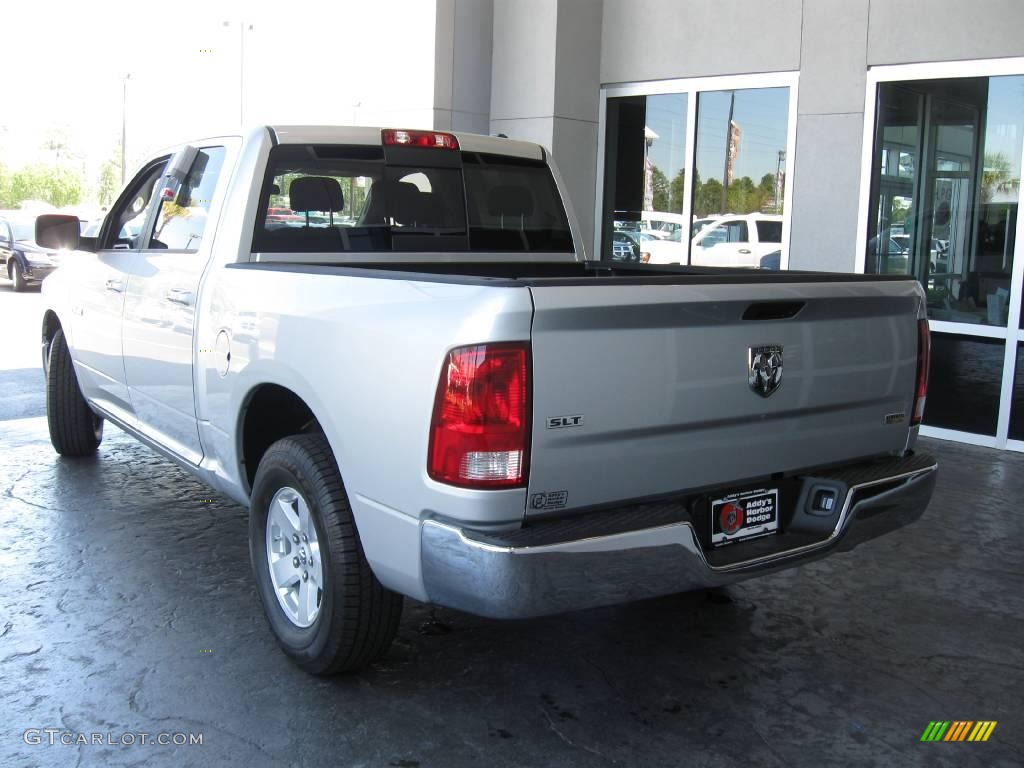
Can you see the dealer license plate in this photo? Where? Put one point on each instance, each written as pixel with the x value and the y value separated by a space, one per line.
pixel 744 515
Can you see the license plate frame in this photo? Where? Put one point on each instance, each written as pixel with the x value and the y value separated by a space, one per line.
pixel 761 504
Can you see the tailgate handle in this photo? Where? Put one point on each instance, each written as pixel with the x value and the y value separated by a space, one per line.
pixel 773 310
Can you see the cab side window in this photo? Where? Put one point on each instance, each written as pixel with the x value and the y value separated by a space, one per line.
pixel 737 231
pixel 769 231
pixel 128 217
pixel 5 235
pixel 181 221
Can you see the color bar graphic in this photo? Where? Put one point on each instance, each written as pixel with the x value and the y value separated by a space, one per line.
pixel 958 730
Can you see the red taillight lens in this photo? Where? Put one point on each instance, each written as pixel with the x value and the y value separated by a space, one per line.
pixel 924 354
pixel 396 137
pixel 479 436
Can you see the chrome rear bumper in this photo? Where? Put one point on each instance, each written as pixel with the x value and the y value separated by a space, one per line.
pixel 525 574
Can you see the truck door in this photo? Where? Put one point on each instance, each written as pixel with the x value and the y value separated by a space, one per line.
pixel 97 302
pixel 727 244
pixel 159 315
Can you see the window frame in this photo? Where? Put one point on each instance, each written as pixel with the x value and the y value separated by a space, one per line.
pixel 1010 334
pixel 104 236
pixel 692 86
pixel 154 217
pixel 574 253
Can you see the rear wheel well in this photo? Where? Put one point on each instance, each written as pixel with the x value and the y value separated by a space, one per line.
pixel 271 413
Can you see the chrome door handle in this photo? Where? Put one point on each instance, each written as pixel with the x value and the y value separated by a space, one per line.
pixel 115 285
pixel 179 296
pixel 744 250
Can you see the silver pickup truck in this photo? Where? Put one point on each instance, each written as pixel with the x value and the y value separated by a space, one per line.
pixel 390 346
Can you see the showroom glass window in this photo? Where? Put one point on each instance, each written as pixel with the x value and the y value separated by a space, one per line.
pixel 738 185
pixel 645 177
pixel 705 191
pixel 944 191
pixel 943 207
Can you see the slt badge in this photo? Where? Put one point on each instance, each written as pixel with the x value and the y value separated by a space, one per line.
pixel 765 369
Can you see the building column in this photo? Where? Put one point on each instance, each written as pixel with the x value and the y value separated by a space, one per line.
pixel 829 128
pixel 545 87
pixel 462 65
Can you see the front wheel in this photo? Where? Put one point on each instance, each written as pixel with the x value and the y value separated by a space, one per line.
pixel 74 429
pixel 324 605
pixel 18 277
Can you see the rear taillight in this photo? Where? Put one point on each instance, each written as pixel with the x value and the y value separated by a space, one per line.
pixel 391 137
pixel 924 354
pixel 645 257
pixel 479 436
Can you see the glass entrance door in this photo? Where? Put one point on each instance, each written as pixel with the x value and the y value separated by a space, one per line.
pixel 945 189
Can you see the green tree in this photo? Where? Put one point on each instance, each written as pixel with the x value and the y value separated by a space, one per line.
pixel 109 181
pixel 900 211
pixel 707 198
pixel 743 196
pixel 995 177
pixel 659 181
pixel 677 191
pixel 6 194
pixel 56 185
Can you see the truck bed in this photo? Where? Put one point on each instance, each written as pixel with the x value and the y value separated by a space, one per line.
pixel 650 365
pixel 557 273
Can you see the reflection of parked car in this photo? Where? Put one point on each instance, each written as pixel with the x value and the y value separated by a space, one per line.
pixel 899 254
pixel 732 240
pixel 737 240
pixel 896 260
pixel 660 224
pixel 283 216
pixel 902 241
pixel 624 247
pixel 699 224
pixel 24 262
pixel 772 260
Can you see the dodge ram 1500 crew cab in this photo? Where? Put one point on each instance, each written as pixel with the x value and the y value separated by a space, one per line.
pixel 390 346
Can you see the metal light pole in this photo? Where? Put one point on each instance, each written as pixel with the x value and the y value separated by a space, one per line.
pixel 778 181
pixel 124 120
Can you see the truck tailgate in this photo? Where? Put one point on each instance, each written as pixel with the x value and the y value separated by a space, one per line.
pixel 643 389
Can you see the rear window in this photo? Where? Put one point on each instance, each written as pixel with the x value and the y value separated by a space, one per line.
pixel 769 231
pixel 329 198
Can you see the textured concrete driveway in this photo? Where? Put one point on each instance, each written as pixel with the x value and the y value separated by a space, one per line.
pixel 127 606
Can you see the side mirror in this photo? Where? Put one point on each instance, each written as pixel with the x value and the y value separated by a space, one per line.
pixel 181 163
pixel 173 182
pixel 56 231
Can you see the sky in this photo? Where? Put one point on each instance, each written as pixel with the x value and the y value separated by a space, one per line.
pixel 761 114
pixel 326 63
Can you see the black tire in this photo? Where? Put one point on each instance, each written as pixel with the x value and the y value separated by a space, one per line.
pixel 358 617
pixel 74 429
pixel 18 277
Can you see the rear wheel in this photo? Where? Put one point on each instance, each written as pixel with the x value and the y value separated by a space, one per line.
pixel 74 429
pixel 18 276
pixel 324 605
